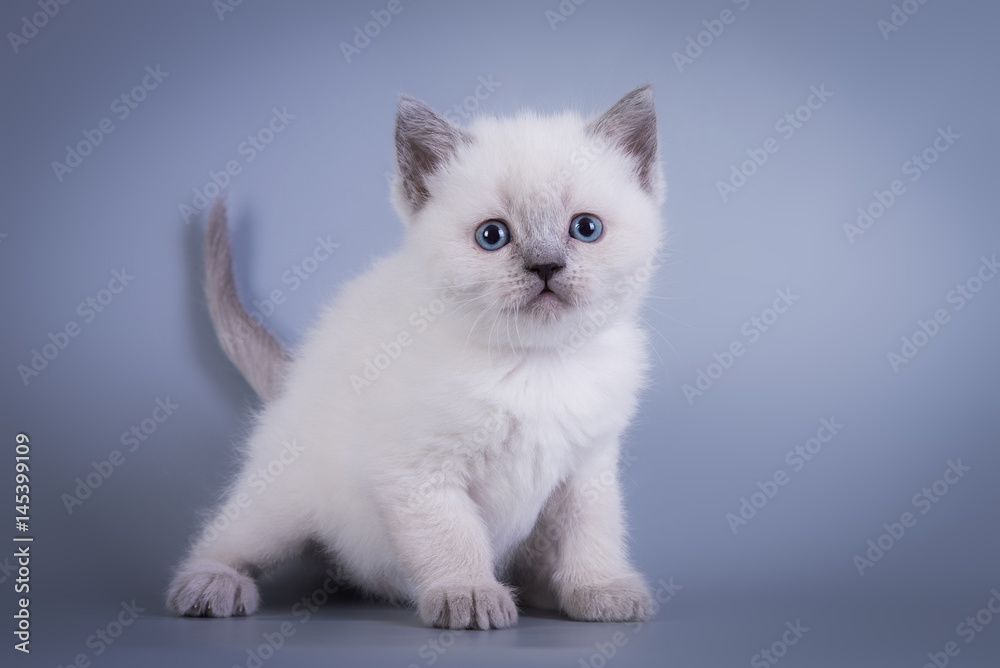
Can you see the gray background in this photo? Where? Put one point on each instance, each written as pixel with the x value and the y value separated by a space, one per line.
pixel 692 462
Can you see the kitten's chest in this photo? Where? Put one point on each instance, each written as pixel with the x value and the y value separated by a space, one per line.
pixel 567 403
pixel 553 412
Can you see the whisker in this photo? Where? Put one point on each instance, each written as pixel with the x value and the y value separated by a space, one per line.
pixel 489 340
pixel 648 324
pixel 471 329
pixel 520 342
pixel 454 286
pixel 673 299
pixel 669 317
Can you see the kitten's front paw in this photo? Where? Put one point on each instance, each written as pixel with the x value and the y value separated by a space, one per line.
pixel 625 599
pixel 211 589
pixel 485 606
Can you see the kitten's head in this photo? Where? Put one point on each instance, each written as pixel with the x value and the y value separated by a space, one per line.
pixel 539 225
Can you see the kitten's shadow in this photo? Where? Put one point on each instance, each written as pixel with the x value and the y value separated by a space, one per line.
pixel 205 344
pixel 538 613
pixel 308 582
pixel 304 583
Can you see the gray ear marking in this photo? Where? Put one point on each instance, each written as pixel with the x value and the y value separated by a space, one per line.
pixel 425 141
pixel 631 124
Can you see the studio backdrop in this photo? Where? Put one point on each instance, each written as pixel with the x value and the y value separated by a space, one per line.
pixel 812 478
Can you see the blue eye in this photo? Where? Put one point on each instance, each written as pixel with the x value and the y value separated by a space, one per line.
pixel 492 235
pixel 586 227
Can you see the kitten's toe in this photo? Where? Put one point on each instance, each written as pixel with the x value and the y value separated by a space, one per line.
pixel 624 599
pixel 210 589
pixel 485 606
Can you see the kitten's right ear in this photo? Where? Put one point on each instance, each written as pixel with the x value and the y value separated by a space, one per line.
pixel 631 124
pixel 425 141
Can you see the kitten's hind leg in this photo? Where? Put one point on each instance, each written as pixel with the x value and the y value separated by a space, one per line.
pixel 252 531
pixel 534 564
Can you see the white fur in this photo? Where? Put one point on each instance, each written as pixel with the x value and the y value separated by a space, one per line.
pixel 476 456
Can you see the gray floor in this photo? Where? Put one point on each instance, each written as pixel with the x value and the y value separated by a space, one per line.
pixel 694 629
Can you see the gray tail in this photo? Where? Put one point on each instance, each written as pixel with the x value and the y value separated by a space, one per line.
pixel 256 353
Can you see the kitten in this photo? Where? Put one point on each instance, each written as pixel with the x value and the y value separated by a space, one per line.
pixel 449 431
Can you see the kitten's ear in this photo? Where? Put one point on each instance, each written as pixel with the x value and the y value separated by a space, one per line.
pixel 425 141
pixel 631 124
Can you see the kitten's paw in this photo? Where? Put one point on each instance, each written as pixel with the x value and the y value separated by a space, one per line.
pixel 211 589
pixel 625 599
pixel 484 606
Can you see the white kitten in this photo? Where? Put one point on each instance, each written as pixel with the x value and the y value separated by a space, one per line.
pixel 450 429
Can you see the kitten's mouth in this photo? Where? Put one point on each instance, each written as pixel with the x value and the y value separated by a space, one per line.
pixel 546 297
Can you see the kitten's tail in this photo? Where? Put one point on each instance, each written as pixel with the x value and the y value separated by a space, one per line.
pixel 256 353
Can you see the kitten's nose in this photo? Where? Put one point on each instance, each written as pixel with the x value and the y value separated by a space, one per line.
pixel 545 271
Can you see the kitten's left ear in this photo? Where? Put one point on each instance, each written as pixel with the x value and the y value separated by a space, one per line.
pixel 425 142
pixel 631 124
